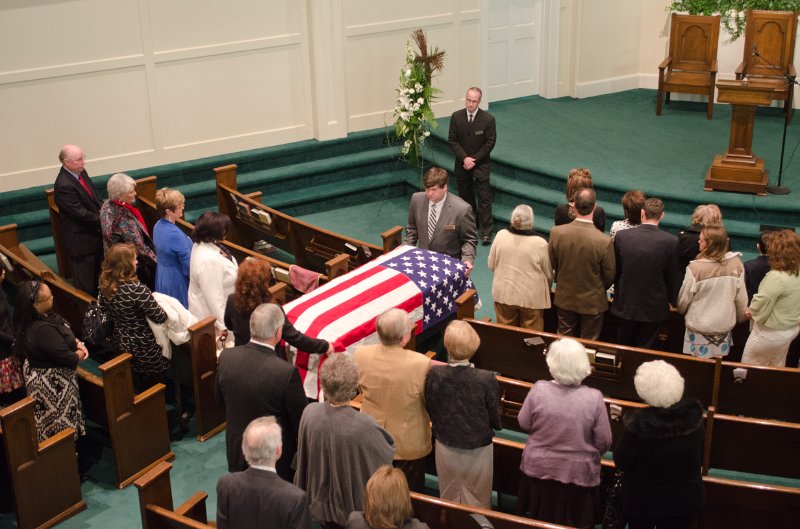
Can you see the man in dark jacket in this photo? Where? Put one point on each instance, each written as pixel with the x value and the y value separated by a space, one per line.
pixel 79 207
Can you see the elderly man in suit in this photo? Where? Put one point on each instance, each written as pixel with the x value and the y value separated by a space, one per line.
pixel 440 221
pixel 79 206
pixel 252 382
pixel 257 497
pixel 584 265
pixel 472 137
pixel 392 382
pixel 647 279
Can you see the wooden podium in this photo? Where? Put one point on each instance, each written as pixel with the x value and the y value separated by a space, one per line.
pixel 739 169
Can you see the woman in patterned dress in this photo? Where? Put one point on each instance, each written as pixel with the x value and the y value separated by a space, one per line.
pixel 131 304
pixel 51 353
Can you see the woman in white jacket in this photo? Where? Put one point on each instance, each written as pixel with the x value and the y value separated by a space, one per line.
pixel 212 270
pixel 713 296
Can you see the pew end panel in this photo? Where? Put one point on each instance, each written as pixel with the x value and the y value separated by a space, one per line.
pixel 156 502
pixel 465 304
pixel 337 266
pixel 764 392
pixel 203 353
pixel 64 268
pixel 32 467
pixel 392 238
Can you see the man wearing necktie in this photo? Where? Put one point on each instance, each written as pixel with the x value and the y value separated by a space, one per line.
pixel 472 138
pixel 440 221
pixel 79 207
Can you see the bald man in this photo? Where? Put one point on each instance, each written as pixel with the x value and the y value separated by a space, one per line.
pixel 79 206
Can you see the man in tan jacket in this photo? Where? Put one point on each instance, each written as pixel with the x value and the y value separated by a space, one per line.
pixel 584 264
pixel 392 382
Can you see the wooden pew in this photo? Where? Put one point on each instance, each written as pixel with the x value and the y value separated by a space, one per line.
pixel 136 424
pixel 729 503
pixel 766 392
pixel 26 265
pixel 196 367
pixel 310 245
pixel 444 514
pixel 156 505
pixel 504 350
pixel 44 476
pixel 64 268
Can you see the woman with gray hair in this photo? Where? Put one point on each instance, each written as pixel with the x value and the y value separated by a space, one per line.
pixel 568 434
pixel 522 273
pixel 464 407
pixel 121 221
pixel 338 447
pixel 660 452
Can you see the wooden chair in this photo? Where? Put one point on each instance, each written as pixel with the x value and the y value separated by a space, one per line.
pixel 769 51
pixel 136 424
pixel 44 476
pixel 691 67
pixel 156 507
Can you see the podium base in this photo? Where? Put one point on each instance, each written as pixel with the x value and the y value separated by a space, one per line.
pixel 778 190
pixel 744 178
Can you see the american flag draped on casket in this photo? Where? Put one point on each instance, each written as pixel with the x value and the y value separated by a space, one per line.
pixel 423 283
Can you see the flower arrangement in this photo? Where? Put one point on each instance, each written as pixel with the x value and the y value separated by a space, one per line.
pixel 413 114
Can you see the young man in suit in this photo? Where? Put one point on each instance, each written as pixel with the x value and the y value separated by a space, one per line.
pixel 647 280
pixel 472 137
pixel 583 261
pixel 79 206
pixel 257 497
pixel 440 221
pixel 253 382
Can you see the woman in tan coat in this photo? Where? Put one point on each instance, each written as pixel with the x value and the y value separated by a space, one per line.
pixel 522 273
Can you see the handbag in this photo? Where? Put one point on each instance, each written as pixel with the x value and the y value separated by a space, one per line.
pixel 613 518
pixel 98 326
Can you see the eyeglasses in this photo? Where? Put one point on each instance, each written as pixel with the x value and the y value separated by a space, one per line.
pixel 35 291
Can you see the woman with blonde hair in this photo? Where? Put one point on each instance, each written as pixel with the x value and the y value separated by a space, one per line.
pixel 174 248
pixel 689 239
pixel 579 178
pixel 568 432
pixel 775 309
pixel 522 273
pixel 131 304
pixel 387 503
pixel 464 406
pixel 713 296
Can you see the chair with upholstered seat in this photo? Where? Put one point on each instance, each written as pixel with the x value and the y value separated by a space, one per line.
pixel 691 66
pixel 769 51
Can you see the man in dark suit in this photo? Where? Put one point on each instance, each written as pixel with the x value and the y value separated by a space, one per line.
pixel 257 497
pixel 471 138
pixel 440 221
pixel 253 382
pixel 583 261
pixel 647 279
pixel 756 269
pixel 79 207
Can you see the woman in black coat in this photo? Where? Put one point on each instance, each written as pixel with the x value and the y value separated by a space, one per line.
pixel 252 289
pixel 660 453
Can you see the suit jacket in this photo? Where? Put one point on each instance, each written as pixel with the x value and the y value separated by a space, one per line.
pixel 474 139
pixel 454 234
pixel 392 381
pixel 253 382
pixel 584 265
pixel 257 498
pixel 647 278
pixel 80 214
pixel 754 272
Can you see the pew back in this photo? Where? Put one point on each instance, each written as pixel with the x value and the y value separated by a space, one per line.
pixel 156 504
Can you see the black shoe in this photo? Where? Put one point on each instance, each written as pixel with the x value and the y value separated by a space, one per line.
pixel 487 240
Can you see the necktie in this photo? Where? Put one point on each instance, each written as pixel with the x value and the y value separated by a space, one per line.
pixel 85 185
pixel 432 220
pixel 470 118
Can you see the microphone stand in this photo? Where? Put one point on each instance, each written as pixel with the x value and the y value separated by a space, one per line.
pixel 778 189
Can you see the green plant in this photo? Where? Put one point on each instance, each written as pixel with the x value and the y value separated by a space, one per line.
pixel 732 12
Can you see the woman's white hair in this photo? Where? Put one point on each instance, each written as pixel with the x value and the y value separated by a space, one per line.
pixel 522 217
pixel 118 185
pixel 568 362
pixel 658 383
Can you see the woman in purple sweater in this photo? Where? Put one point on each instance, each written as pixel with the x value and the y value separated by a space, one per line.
pixel 568 433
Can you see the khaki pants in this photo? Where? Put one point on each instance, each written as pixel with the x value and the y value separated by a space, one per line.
pixel 519 316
